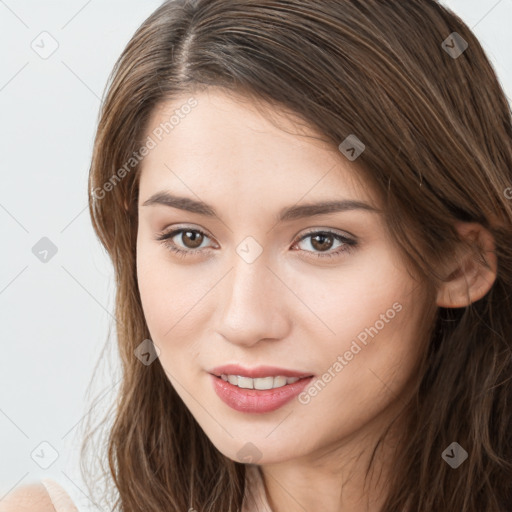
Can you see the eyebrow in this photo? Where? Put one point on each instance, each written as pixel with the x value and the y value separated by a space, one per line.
pixel 286 214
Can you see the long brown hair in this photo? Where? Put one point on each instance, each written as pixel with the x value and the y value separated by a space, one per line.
pixel 437 129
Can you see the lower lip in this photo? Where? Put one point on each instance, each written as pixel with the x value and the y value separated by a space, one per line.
pixel 256 400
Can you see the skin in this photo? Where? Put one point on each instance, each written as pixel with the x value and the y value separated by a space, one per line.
pixel 29 498
pixel 288 308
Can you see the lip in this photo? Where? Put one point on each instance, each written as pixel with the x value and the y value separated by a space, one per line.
pixel 256 400
pixel 258 371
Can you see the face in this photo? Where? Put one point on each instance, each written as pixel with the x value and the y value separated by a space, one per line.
pixel 321 296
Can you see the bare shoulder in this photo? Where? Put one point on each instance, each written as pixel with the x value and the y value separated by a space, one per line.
pixel 31 497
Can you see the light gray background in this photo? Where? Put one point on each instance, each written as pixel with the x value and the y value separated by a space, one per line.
pixel 55 315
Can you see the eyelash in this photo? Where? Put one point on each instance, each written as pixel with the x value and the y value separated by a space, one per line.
pixel 349 244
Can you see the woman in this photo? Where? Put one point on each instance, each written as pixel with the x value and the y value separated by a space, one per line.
pixel 307 206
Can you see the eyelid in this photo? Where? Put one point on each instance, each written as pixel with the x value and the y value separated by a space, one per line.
pixel 192 227
pixel 344 234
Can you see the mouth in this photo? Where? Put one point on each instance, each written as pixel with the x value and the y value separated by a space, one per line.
pixel 257 390
pixel 260 383
pixel 260 377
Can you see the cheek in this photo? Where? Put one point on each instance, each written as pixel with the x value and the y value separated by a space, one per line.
pixel 172 297
pixel 153 298
pixel 375 346
pixel 159 294
pixel 359 299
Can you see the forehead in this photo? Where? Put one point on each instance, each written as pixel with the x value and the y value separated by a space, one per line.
pixel 225 147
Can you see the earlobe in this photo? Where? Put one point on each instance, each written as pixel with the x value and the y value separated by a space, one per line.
pixel 474 273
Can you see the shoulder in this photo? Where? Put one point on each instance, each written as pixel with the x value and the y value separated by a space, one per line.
pixel 31 497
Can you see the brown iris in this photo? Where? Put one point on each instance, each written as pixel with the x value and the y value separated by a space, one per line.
pixel 195 238
pixel 322 245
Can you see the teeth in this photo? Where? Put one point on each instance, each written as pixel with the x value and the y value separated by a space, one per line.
pixel 259 383
pixel 262 383
pixel 245 382
pixel 279 381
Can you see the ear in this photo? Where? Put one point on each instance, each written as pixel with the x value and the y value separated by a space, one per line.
pixel 472 275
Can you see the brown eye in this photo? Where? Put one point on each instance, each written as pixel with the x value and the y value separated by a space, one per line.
pixel 322 242
pixel 192 239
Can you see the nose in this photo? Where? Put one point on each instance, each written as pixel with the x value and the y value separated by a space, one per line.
pixel 253 304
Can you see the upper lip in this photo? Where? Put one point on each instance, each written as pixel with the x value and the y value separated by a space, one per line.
pixel 257 371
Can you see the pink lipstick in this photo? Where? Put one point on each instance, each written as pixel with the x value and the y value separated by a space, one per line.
pixel 257 390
